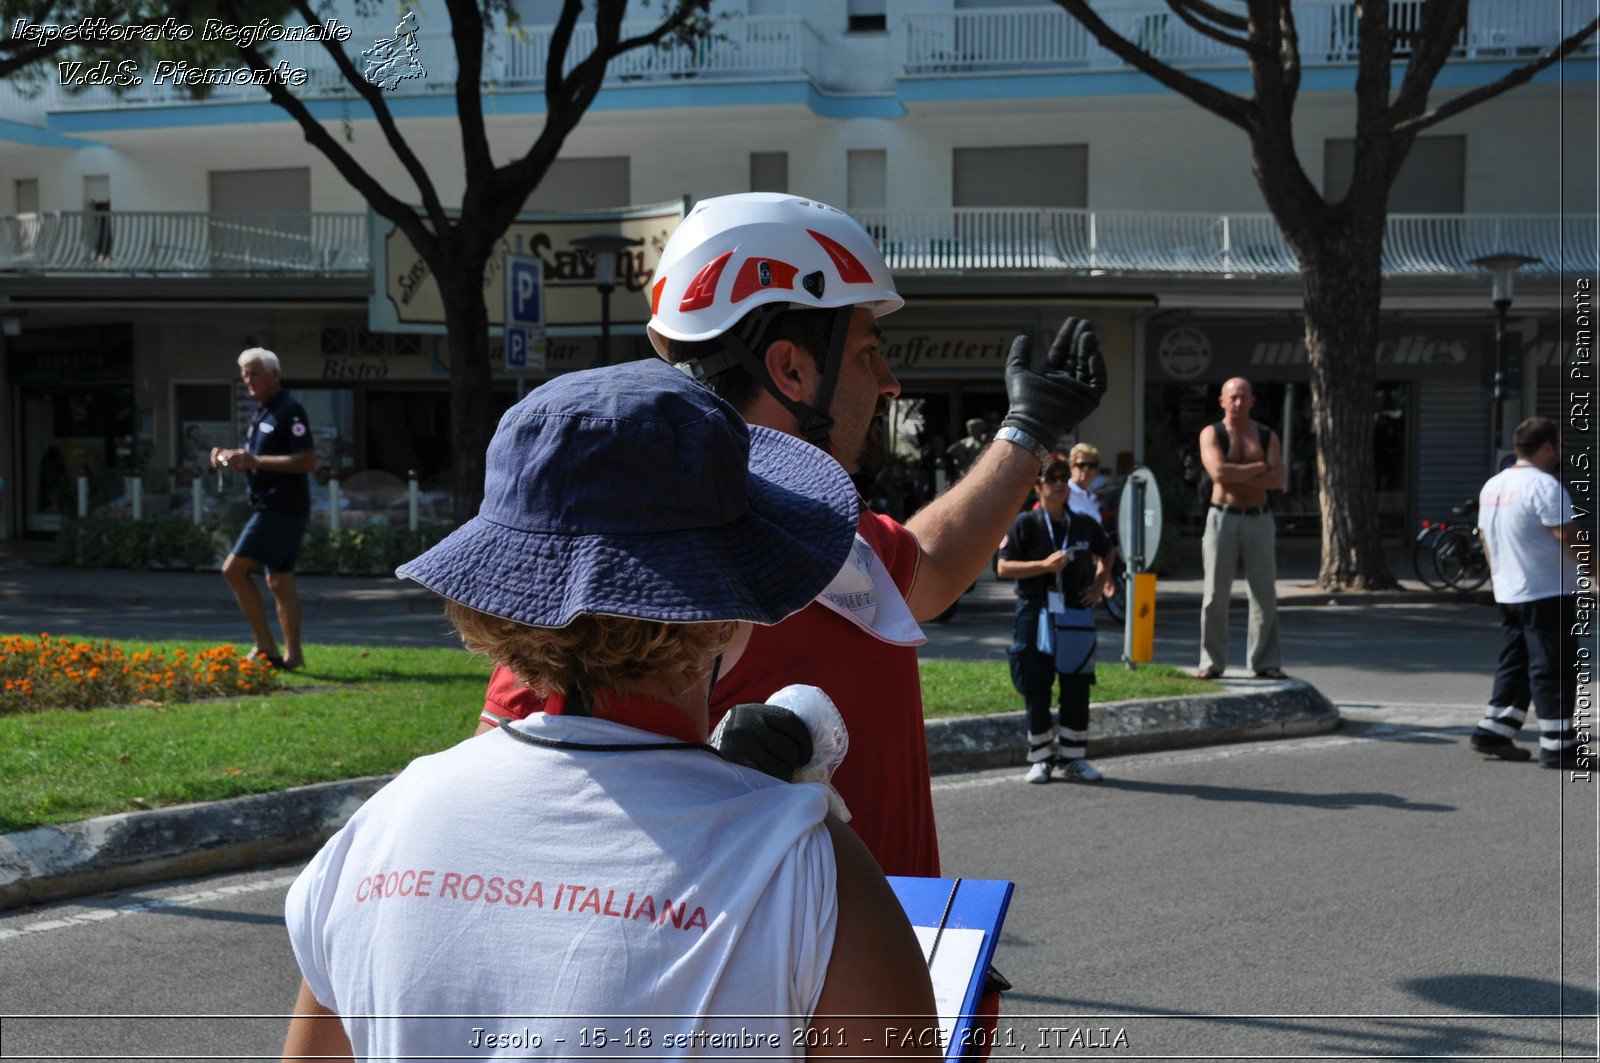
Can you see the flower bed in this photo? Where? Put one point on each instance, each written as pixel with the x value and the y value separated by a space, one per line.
pixel 62 673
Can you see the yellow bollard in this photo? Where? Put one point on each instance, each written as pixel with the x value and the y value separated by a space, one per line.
pixel 1143 609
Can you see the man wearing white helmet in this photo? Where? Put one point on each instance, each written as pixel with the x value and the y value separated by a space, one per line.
pixel 772 301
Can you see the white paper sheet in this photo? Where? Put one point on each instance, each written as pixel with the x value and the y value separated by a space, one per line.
pixel 951 972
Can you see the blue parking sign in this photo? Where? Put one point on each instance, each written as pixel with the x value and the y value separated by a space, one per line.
pixel 524 312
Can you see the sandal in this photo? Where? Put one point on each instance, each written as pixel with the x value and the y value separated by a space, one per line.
pixel 258 654
pixel 1208 673
pixel 1272 673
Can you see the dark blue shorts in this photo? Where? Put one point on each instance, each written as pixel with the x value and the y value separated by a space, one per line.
pixel 272 539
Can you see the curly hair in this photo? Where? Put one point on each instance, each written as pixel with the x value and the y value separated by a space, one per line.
pixel 1085 450
pixel 593 653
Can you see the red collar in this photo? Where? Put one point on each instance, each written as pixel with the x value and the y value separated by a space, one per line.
pixel 633 710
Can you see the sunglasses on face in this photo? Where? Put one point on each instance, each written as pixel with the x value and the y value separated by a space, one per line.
pixel 1086 465
pixel 1057 478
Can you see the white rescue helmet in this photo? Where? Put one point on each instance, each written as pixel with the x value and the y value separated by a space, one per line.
pixel 733 254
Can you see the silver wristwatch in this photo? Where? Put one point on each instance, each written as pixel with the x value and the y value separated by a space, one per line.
pixel 1026 442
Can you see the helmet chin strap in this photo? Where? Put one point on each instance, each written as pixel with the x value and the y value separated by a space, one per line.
pixel 739 347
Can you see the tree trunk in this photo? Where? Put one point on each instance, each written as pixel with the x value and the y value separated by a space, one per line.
pixel 1343 282
pixel 467 333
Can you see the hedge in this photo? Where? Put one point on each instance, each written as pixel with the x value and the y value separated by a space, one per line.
pixel 176 543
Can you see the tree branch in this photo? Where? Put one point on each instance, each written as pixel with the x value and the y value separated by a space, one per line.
pixel 1226 19
pixel 556 56
pixel 370 188
pixel 467 31
pixel 1225 105
pixel 26 57
pixel 1494 88
pixel 1439 25
pixel 380 110
pixel 1181 8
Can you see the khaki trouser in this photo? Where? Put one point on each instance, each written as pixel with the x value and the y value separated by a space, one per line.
pixel 1228 538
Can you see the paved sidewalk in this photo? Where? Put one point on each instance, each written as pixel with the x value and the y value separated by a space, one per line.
pixel 27 575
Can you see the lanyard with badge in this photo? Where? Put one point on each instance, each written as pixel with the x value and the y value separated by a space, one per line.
pixel 1054 601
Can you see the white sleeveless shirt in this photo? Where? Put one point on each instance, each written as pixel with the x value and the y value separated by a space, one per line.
pixel 683 904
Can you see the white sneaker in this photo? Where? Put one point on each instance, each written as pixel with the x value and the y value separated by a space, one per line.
pixel 1039 772
pixel 1080 769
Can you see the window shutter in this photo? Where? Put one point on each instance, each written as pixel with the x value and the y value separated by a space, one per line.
pixel 1432 180
pixel 584 184
pixel 1051 175
pixel 867 179
pixel 252 245
pixel 966 4
pixel 769 171
pixel 28 195
pixel 286 190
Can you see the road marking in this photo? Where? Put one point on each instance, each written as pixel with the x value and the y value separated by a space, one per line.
pixel 1377 732
pixel 182 900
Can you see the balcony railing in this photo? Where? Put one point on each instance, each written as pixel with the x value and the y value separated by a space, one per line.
pixel 1144 242
pixel 184 243
pixel 767 48
pixel 1046 39
pixel 964 239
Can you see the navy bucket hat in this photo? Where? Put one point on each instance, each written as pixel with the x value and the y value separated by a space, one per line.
pixel 634 491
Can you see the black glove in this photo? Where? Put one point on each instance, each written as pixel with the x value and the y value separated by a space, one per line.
pixel 768 738
pixel 1053 401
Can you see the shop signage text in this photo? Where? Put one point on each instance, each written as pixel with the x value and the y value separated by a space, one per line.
pixel 410 301
pixel 1211 352
pixel 946 350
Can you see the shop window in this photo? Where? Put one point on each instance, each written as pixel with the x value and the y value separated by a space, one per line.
pixel 202 418
pixel 332 413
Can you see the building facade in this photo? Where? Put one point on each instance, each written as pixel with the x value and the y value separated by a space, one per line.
pixel 1012 172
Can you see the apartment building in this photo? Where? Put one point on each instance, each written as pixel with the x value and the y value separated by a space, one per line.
pixel 1012 171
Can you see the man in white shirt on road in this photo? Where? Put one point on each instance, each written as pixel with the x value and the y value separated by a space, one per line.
pixel 1525 518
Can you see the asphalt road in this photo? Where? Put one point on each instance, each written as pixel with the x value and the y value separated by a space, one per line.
pixel 1379 891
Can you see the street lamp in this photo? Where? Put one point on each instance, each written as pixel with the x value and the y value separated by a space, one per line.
pixel 605 247
pixel 1502 265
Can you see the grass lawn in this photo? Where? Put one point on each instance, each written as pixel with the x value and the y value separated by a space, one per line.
pixel 355 711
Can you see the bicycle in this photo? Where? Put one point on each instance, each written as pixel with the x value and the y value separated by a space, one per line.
pixel 1456 544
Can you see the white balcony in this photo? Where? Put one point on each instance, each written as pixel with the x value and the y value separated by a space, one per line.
pixel 1045 39
pixel 767 48
pixel 177 243
pixel 1175 244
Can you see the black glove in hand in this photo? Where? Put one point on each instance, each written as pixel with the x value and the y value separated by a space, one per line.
pixel 768 738
pixel 1053 401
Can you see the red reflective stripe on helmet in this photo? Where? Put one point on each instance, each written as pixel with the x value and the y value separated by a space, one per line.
pixel 851 271
pixel 759 273
pixel 655 295
pixel 702 291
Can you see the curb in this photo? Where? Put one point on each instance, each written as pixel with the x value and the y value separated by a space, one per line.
pixel 1288 709
pixel 1190 603
pixel 135 848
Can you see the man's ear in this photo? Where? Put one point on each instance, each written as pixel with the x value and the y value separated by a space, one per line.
pixel 787 365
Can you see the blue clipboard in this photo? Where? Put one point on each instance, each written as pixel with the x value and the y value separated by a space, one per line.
pixel 973 903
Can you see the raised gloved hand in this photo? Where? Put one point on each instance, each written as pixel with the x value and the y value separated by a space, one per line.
pixel 1053 401
pixel 769 738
